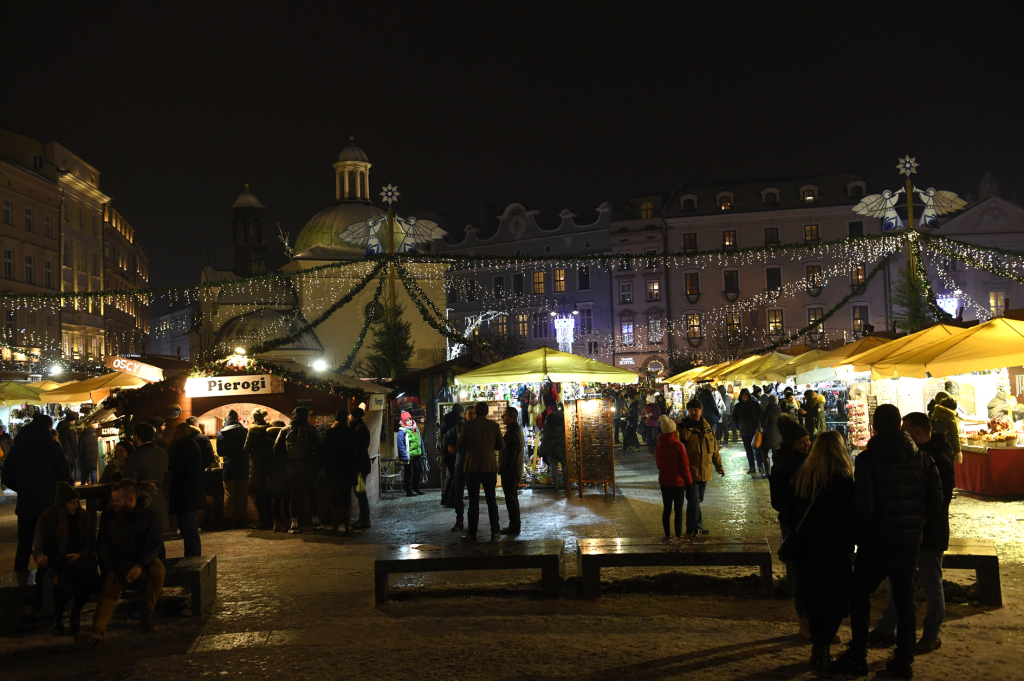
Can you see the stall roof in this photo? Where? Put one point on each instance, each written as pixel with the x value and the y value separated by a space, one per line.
pixel 92 389
pixel 687 375
pixel 730 367
pixel 865 361
pixel 13 394
pixel 765 362
pixel 46 384
pixel 544 363
pixel 996 344
pixel 783 371
pixel 820 368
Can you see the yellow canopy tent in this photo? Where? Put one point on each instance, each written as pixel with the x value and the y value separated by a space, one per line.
pixel 46 384
pixel 730 367
pixel 541 364
pixel 13 394
pixel 996 344
pixel 820 368
pixel 865 361
pixel 783 371
pixel 92 389
pixel 763 363
pixel 709 371
pixel 687 375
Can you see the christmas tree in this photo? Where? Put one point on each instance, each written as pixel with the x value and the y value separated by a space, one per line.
pixel 392 346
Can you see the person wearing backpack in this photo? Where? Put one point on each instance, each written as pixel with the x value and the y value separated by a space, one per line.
pixel 299 443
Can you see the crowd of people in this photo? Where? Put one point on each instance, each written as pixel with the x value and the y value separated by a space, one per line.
pixel 273 462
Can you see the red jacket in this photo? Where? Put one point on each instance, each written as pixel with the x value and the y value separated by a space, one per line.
pixel 673 464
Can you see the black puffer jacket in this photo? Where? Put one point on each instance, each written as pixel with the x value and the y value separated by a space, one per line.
pixel 745 414
pixel 897 491
pixel 936 532
pixel 770 413
pixel 784 466
pixel 710 408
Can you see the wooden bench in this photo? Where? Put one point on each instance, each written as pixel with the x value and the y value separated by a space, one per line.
pixel 978 555
pixel 543 554
pixel 657 552
pixel 17 590
pixel 199 575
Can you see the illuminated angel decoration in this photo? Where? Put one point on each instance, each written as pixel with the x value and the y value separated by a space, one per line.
pixel 937 203
pixel 410 233
pixel 881 206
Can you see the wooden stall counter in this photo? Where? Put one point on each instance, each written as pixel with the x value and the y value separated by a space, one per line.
pixel 992 471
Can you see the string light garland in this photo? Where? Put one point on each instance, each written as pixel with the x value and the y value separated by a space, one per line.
pixel 347 364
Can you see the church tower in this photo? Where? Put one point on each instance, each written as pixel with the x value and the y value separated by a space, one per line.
pixel 352 174
pixel 248 241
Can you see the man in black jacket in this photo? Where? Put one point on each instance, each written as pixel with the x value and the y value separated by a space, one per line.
pixel 897 491
pixel 68 437
pixel 299 442
pixel 510 468
pixel 934 543
pixel 149 463
pixel 128 546
pixel 231 447
pixel 451 425
pixel 339 455
pixel 362 433
pixel 33 468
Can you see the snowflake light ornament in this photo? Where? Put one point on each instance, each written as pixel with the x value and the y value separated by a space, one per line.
pixel 907 165
pixel 390 194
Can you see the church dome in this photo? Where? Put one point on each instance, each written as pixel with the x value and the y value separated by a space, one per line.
pixel 265 324
pixel 353 153
pixel 323 232
pixel 247 200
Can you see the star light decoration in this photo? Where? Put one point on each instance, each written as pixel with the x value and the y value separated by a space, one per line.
pixel 390 194
pixel 907 165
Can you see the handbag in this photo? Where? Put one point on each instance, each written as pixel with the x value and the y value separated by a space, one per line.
pixel 791 544
pixel 756 441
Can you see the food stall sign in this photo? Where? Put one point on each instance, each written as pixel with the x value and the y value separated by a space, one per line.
pixel 134 367
pixel 376 402
pixel 217 386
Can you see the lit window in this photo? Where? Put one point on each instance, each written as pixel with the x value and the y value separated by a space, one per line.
pixel 521 325
pixel 689 243
pixel 732 324
pixel 814 276
pixel 651 261
pixel 773 278
pixel 808 196
pixel 725 202
pixel 860 318
pixel 647 210
pixel 626 292
pixel 559 281
pixel 858 275
pixel 814 315
pixel 627 330
pixel 29 227
pixel 693 326
pixel 771 236
pixel 538 283
pixel 583 279
pixel 774 322
pixel 655 330
pixel 692 283
pixel 653 289
pixel 732 281
pixel 810 233
pixel 501 327
pixel 729 239
pixel 996 302
pixel 586 323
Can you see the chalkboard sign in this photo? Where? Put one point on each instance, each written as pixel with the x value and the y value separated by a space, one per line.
pixel 590 442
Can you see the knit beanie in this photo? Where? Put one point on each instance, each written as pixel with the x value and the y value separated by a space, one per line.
pixel 790 430
pixel 667 424
pixel 650 399
pixel 406 416
pixel 65 493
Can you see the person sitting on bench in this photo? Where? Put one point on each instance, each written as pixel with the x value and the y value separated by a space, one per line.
pixel 65 544
pixel 128 544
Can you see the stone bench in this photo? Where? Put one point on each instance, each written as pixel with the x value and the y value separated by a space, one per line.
pixel 657 552
pixel 543 554
pixel 199 575
pixel 978 555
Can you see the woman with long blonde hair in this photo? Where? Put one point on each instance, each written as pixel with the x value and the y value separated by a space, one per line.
pixel 820 505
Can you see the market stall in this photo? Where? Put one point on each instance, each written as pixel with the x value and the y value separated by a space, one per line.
pixel 13 398
pixel 536 383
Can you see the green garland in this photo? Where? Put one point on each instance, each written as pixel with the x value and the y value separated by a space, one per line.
pixel 925 283
pixel 149 293
pixel 275 343
pixel 940 245
pixel 418 296
pixel 857 291
pixel 344 366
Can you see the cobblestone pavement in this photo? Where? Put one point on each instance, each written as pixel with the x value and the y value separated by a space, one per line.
pixel 302 606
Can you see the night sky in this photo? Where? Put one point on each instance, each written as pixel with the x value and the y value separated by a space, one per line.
pixel 542 104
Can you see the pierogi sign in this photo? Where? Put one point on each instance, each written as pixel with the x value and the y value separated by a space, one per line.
pixel 218 386
pixel 134 367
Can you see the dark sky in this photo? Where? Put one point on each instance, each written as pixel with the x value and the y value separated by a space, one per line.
pixel 547 105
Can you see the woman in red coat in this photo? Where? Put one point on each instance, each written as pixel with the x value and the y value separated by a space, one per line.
pixel 673 473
